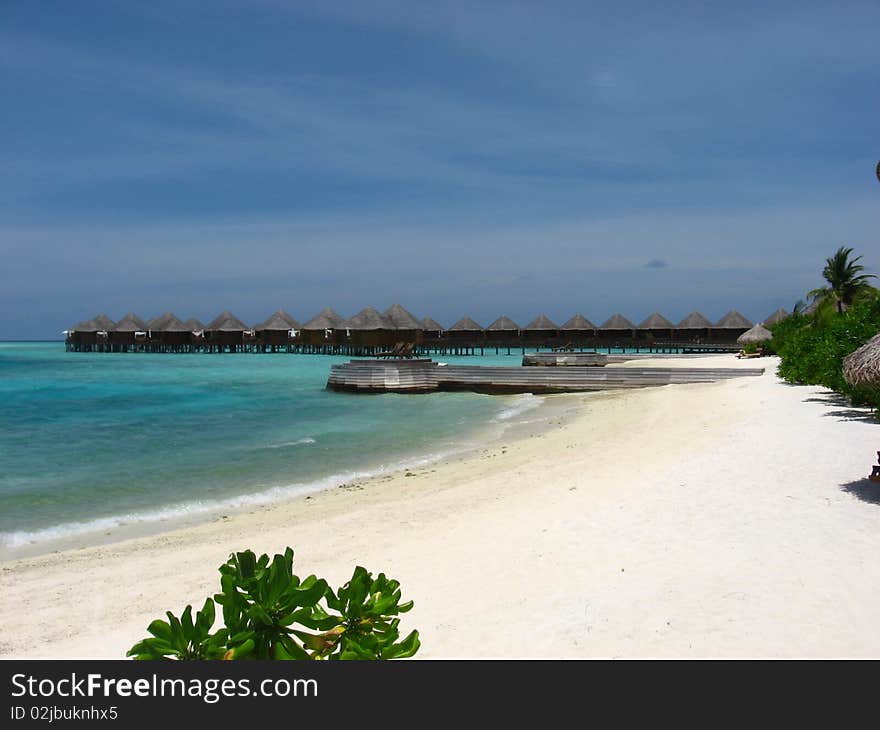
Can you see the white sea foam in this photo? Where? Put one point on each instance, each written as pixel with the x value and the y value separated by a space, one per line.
pixel 519 405
pixel 200 508
pixel 284 444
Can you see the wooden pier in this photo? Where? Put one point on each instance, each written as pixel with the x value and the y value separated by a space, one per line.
pixel 565 359
pixel 427 376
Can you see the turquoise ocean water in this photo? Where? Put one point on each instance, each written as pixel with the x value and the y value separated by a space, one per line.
pixel 96 442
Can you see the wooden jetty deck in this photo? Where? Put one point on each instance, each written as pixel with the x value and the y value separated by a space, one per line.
pixel 427 376
pixel 598 359
pixel 565 359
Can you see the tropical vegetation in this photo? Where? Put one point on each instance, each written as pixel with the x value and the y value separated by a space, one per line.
pixel 814 340
pixel 844 278
pixel 270 613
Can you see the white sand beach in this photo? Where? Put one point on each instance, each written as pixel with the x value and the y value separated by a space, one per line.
pixel 730 519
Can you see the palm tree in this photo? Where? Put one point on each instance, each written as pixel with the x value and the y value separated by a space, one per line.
pixel 844 278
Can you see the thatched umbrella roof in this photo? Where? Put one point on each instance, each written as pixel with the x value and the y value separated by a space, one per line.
pixel 756 334
pixel 401 318
pixel 368 319
pixel 656 322
pixel 465 324
pixel 130 323
pixel 617 322
pixel 733 320
pixel 578 322
pixel 280 321
pixel 230 323
pixel 694 321
pixel 776 317
pixel 504 324
pixel 432 325
pixel 542 322
pixel 326 319
pixel 862 367
pixel 193 325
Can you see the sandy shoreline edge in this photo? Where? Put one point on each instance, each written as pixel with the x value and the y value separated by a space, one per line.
pixel 724 519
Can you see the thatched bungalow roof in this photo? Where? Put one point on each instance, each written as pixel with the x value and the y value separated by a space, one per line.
pixel 542 322
pixel 465 324
pixel 776 317
pixel 103 322
pixel 617 322
pixel 432 325
pixel 503 324
pixel 87 325
pixel 756 334
pixel 130 323
pixel 173 324
pixel 215 323
pixel 578 322
pixel 401 318
pixel 100 322
pixel 734 320
pixel 158 323
pixel 656 322
pixel 193 325
pixel 230 324
pixel 326 319
pixel 280 321
pixel 694 321
pixel 862 367
pixel 368 319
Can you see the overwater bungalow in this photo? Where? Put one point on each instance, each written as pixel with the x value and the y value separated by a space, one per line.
pixel 407 328
pixel 465 336
pixel 655 327
pixel 92 334
pixel 368 330
pixel 319 333
pixel 129 333
pixel 616 331
pixel 227 333
pixel 693 329
pixel 278 331
pixel 577 332
pixel 730 326
pixel 175 336
pixel 503 332
pixel 432 329
pixel 541 332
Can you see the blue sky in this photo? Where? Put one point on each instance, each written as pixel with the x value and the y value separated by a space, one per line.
pixel 477 157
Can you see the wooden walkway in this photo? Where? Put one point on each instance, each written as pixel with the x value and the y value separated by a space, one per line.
pixel 565 359
pixel 427 376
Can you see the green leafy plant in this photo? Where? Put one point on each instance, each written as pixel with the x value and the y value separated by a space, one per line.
pixel 269 613
pixel 812 347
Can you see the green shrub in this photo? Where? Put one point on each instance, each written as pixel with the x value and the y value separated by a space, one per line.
pixel 812 348
pixel 269 613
